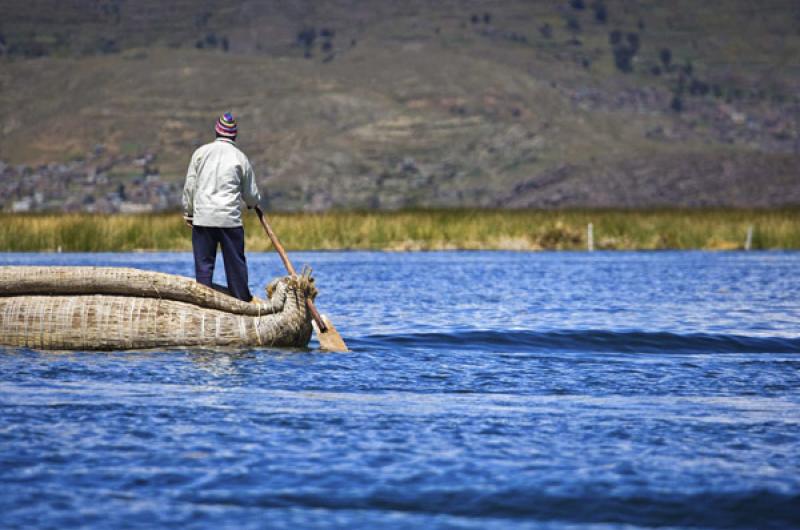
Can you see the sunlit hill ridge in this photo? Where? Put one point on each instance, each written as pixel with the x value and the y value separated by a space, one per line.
pixel 355 104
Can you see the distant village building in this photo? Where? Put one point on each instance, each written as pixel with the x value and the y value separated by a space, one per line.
pixel 99 183
pixel 22 206
pixel 135 207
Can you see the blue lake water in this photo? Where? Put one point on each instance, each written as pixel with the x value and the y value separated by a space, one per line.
pixel 484 390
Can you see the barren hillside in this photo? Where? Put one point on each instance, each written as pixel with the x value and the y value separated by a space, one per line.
pixel 356 104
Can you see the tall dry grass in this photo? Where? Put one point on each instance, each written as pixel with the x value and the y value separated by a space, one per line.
pixel 421 230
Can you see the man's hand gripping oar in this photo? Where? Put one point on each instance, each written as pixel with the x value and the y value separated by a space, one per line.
pixel 329 338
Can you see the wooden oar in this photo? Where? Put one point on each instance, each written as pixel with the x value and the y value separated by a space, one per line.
pixel 329 338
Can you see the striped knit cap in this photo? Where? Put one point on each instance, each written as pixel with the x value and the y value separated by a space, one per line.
pixel 226 125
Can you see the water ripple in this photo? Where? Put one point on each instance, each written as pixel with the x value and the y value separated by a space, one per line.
pixel 583 340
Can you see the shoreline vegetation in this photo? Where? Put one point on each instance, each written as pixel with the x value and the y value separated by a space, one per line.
pixel 461 229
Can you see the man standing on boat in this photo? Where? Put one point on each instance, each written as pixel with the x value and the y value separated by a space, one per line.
pixel 219 178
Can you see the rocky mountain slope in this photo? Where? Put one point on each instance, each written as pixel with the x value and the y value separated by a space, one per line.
pixel 379 104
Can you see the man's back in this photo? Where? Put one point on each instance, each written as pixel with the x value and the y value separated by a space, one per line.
pixel 219 177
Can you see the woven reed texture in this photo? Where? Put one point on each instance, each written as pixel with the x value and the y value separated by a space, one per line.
pixel 121 281
pixel 90 321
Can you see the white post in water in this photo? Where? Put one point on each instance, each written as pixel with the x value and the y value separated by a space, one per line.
pixel 748 242
pixel 590 237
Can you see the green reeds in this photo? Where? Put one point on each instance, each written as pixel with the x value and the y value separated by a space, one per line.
pixel 715 229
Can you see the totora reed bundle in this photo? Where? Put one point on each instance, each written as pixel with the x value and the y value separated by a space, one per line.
pixel 109 308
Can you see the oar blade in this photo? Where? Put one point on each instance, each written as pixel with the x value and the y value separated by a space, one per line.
pixel 330 340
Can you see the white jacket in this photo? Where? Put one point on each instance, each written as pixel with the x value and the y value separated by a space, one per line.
pixel 219 177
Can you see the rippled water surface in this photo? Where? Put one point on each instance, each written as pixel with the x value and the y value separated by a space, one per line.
pixel 484 390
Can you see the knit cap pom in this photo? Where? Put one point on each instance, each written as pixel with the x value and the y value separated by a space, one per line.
pixel 226 125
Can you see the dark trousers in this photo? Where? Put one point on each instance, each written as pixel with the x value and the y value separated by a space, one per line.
pixel 204 244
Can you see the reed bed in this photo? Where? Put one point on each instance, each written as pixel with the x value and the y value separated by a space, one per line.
pixel 715 229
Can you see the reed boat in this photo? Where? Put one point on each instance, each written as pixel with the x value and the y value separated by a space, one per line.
pixel 115 308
